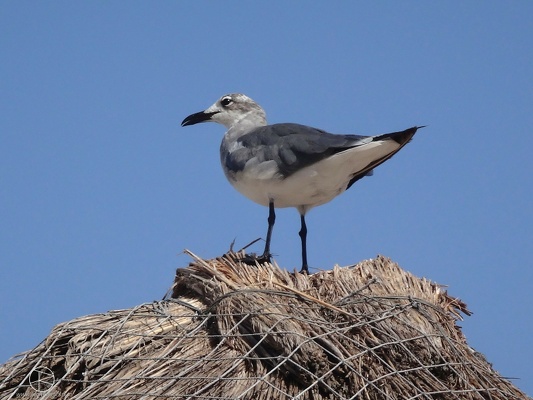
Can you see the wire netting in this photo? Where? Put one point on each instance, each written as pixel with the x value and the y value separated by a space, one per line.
pixel 232 331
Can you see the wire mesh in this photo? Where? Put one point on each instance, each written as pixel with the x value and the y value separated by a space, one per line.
pixel 231 331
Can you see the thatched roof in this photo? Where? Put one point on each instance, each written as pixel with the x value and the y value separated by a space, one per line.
pixel 232 331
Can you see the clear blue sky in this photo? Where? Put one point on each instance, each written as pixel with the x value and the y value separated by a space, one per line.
pixel 101 189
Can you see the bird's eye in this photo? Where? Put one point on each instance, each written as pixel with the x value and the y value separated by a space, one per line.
pixel 226 101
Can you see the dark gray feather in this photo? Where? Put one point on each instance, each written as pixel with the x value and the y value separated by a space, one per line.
pixel 291 146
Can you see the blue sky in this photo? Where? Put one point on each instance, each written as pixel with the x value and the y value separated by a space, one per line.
pixel 101 189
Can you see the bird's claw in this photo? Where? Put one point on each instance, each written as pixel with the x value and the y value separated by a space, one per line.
pixel 253 259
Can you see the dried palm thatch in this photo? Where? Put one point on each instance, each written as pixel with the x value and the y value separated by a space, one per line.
pixel 232 331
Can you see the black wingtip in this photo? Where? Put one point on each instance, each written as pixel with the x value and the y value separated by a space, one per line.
pixel 401 137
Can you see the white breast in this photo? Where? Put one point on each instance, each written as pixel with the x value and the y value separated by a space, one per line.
pixel 314 185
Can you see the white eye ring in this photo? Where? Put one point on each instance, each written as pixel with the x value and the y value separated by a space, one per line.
pixel 226 101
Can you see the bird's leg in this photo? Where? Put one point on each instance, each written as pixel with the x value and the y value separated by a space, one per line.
pixel 271 220
pixel 303 236
pixel 252 259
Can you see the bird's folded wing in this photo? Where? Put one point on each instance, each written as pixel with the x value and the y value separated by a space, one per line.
pixel 294 146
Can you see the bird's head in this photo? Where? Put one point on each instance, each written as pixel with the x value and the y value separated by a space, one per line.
pixel 229 110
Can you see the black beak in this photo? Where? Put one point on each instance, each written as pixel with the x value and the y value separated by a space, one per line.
pixel 198 117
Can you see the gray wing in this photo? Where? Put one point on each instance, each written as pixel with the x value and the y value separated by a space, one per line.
pixel 291 146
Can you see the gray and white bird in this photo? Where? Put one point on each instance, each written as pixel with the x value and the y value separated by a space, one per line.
pixel 291 165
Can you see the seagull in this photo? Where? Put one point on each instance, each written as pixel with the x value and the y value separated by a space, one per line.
pixel 291 165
